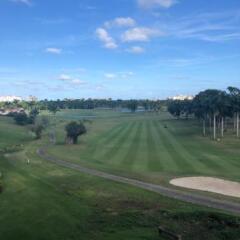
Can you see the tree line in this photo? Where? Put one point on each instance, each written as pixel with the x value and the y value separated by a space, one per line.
pixel 55 105
pixel 216 109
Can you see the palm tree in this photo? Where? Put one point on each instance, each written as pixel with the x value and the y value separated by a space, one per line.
pixel 224 109
pixel 199 110
pixel 208 103
pixel 235 103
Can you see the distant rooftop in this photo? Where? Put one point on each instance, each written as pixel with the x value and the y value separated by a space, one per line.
pixel 9 98
pixel 182 97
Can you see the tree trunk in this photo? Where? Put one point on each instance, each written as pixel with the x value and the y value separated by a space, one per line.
pixel 204 127
pixel 214 126
pixel 75 139
pixel 237 124
pixel 234 121
pixel 210 124
pixel 222 127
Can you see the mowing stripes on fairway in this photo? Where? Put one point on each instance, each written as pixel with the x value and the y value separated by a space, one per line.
pixel 180 161
pixel 141 165
pixel 112 135
pixel 220 164
pixel 105 138
pixel 133 148
pixel 168 163
pixel 153 158
pixel 118 142
pixel 196 164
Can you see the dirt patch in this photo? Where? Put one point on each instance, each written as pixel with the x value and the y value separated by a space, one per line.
pixel 209 184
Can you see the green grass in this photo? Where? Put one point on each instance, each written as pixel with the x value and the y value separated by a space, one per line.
pixel 11 134
pixel 141 145
pixel 41 200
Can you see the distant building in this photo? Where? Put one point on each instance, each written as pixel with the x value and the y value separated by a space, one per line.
pixel 5 112
pixel 32 98
pixel 10 98
pixel 182 97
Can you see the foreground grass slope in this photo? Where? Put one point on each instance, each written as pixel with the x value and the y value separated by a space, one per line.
pixel 155 146
pixel 43 201
pixel 11 134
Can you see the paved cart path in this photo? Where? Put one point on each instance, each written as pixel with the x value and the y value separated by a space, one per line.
pixel 165 191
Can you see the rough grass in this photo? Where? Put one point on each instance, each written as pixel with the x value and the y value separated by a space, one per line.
pixel 43 201
pixel 11 134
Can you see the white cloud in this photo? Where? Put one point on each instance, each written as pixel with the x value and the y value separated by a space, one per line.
pixel 120 22
pixel 211 27
pixel 53 50
pixel 136 50
pixel 99 87
pixel 104 36
pixel 110 75
pixel 156 3
pixel 126 75
pixel 78 81
pixel 26 2
pixel 71 80
pixel 64 77
pixel 140 34
pixel 118 75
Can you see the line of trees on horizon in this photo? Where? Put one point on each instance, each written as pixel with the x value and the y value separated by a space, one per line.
pixel 56 105
pixel 213 107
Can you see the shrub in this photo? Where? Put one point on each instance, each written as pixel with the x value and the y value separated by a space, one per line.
pixel 21 118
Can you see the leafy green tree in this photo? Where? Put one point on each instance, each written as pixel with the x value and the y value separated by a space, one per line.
pixel 132 105
pixel 37 129
pixel 53 108
pixel 33 115
pixel 43 120
pixel 74 130
pixel 175 108
pixel 21 118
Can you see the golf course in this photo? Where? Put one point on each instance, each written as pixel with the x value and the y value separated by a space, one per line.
pixel 154 146
pixel 44 200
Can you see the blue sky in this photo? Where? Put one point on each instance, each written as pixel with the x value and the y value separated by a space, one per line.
pixel 118 48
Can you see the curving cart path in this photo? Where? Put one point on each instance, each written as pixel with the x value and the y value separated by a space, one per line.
pixel 206 201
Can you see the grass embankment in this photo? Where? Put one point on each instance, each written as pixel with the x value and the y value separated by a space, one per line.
pixel 44 201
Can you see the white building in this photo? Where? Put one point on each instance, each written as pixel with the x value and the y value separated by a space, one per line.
pixel 182 97
pixel 9 98
pixel 32 98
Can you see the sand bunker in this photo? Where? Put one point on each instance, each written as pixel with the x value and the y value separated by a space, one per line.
pixel 209 184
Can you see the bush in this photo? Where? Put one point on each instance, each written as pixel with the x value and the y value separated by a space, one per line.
pixel 21 118
pixel 37 130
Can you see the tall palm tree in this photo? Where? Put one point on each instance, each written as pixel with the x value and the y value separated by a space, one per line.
pixel 235 103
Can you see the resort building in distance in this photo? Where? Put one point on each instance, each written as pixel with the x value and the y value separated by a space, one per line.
pixel 10 98
pixel 182 97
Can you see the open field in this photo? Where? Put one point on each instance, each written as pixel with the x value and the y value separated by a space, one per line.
pixel 151 146
pixel 12 134
pixel 44 201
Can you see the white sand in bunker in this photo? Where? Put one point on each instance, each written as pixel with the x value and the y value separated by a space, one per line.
pixel 209 184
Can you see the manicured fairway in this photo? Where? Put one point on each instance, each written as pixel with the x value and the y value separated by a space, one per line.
pixel 155 146
pixel 42 201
